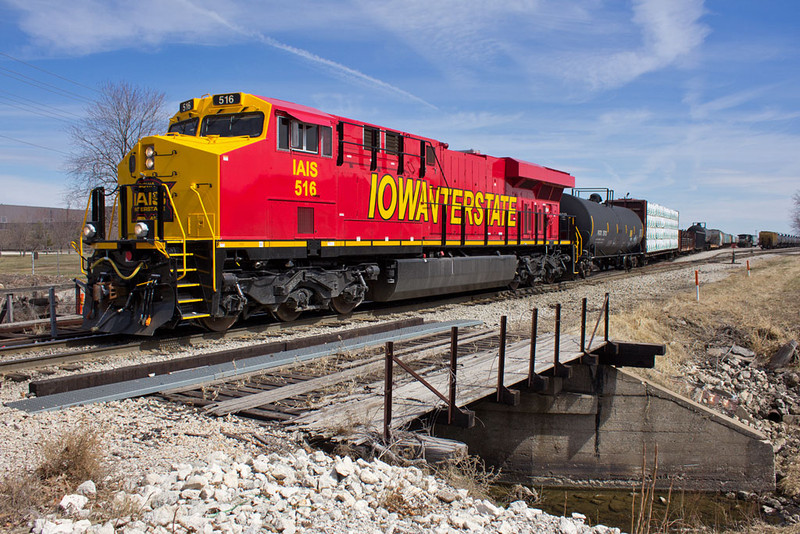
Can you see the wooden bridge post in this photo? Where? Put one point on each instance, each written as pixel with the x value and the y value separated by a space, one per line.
pixel 557 344
pixel 504 395
pixel 558 369
pixel 387 393
pixel 534 328
pixel 583 325
pixel 535 382
pixel 451 406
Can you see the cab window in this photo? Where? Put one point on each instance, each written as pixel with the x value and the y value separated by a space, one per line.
pixel 304 137
pixel 233 125
pixel 187 127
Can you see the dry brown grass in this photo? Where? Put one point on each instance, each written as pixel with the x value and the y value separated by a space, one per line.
pixel 470 473
pixel 395 501
pixel 66 461
pixel 758 527
pixel 759 312
pixel 790 484
pixel 76 456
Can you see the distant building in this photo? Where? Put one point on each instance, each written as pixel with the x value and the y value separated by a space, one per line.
pixel 30 228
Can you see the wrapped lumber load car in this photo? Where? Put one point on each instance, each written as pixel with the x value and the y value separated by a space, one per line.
pixel 661 233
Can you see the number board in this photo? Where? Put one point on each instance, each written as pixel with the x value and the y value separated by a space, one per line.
pixel 187 105
pixel 145 202
pixel 227 99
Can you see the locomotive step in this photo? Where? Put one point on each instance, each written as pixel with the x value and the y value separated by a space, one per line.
pixel 187 301
pixel 189 316
pixel 182 286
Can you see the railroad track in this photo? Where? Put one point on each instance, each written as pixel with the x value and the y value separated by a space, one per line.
pixel 110 346
pixel 285 393
pixel 38 330
pixel 231 365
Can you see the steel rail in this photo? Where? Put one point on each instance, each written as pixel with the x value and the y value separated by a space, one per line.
pixel 199 375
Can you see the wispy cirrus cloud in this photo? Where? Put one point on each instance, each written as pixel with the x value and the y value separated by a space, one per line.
pixel 588 43
pixel 661 34
pixel 91 26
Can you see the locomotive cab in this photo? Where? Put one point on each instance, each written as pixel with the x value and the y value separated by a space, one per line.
pixel 155 262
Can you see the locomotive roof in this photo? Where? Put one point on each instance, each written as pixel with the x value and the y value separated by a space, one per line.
pixel 514 168
pixel 299 111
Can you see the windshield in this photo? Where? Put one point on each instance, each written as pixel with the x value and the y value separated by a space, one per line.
pixel 187 127
pixel 233 125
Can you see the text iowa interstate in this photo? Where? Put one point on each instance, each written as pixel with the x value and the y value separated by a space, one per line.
pixel 410 199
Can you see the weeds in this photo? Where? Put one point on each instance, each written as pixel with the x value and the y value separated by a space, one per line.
pixel 759 312
pixel 790 484
pixel 470 473
pixel 517 492
pixel 75 456
pixel 66 461
pixel 20 496
pixel 395 501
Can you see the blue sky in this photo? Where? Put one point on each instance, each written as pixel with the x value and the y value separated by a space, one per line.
pixel 691 104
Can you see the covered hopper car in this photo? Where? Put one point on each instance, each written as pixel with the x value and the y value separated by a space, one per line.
pixel 768 239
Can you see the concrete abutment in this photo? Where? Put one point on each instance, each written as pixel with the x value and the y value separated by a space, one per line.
pixel 601 425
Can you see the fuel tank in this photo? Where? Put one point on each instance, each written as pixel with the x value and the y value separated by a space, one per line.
pixel 413 278
pixel 605 230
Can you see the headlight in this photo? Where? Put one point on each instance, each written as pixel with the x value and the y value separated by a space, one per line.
pixel 149 163
pixel 150 151
pixel 89 231
pixel 141 229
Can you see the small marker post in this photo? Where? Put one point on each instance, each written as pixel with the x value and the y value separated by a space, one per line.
pixel 697 284
pixel 748 268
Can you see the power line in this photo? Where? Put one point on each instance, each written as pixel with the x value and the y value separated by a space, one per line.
pixel 79 84
pixel 35 145
pixel 37 108
pixel 41 85
pixel 29 110
pixel 22 100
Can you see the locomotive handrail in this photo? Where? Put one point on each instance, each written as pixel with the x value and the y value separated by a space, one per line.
pixel 183 234
pixel 578 246
pixel 193 187
pixel 374 150
pixel 80 237
pixel 113 211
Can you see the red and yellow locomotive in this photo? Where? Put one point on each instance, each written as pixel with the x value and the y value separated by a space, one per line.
pixel 253 204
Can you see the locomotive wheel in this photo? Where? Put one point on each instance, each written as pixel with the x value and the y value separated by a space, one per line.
pixel 285 313
pixel 342 306
pixel 218 324
pixel 548 276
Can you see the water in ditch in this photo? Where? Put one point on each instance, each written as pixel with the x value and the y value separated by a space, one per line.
pixel 668 512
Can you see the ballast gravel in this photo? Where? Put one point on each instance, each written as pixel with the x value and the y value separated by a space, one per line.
pixel 305 492
pixel 271 484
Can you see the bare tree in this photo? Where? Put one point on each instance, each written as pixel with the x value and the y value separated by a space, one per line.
pixel 122 114
pixel 796 211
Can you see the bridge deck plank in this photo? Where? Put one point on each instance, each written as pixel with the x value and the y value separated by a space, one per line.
pixel 476 379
